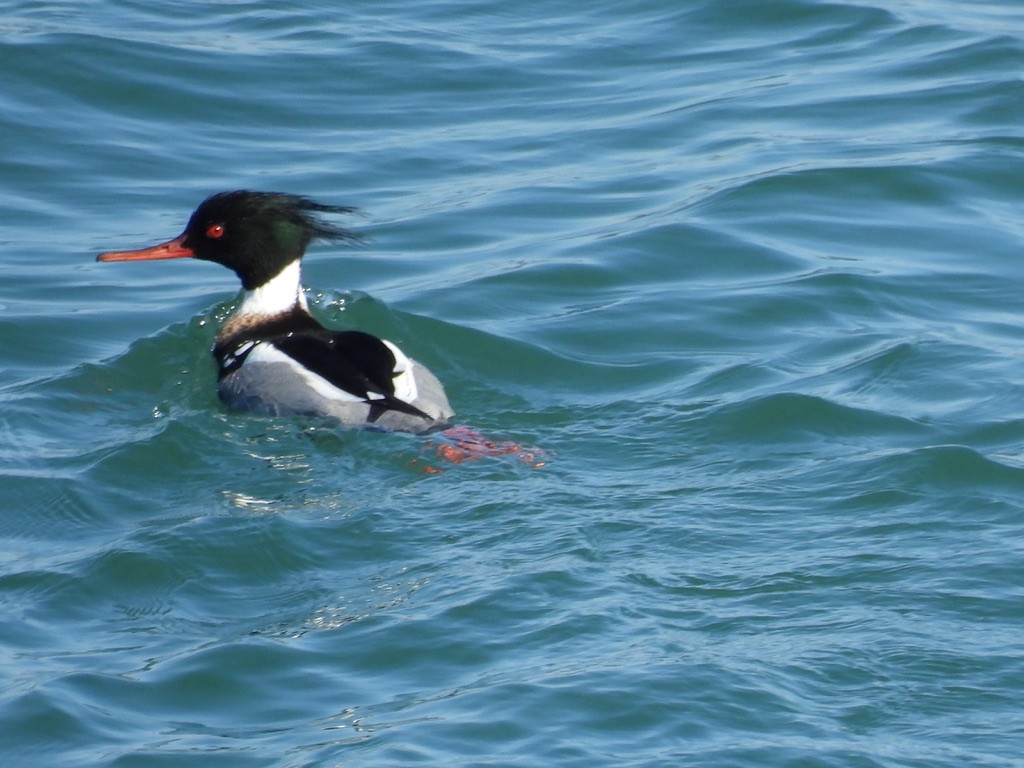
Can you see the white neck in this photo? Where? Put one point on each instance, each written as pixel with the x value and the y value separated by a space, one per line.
pixel 277 295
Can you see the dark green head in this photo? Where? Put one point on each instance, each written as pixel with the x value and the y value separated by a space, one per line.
pixel 256 234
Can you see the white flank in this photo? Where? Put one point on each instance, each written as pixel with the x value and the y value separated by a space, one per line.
pixel 277 295
pixel 405 379
pixel 265 352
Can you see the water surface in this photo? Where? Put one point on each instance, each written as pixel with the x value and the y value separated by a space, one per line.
pixel 749 276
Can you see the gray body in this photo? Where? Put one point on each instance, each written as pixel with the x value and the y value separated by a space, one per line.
pixel 279 388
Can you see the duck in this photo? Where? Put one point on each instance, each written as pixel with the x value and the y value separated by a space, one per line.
pixel 273 356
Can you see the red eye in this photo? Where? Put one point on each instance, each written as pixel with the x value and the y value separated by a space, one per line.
pixel 215 231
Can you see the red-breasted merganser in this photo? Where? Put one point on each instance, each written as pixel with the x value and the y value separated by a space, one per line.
pixel 273 356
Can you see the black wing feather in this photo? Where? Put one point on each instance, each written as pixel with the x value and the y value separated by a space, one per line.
pixel 350 360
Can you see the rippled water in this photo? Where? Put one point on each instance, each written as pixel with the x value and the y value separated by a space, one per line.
pixel 748 275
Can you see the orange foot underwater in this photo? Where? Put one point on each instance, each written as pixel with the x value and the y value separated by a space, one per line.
pixel 465 444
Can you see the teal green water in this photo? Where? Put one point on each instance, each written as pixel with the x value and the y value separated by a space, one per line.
pixel 748 274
